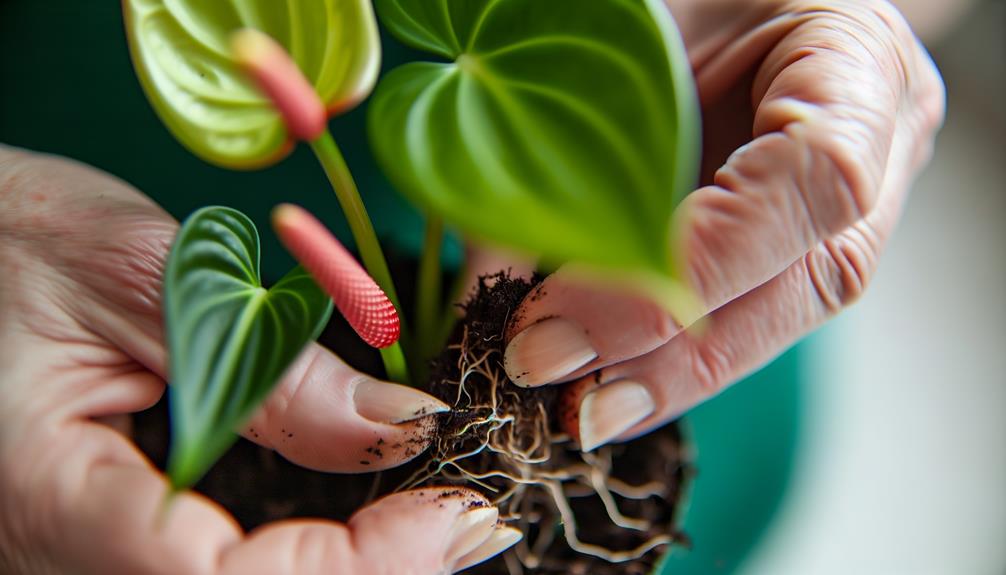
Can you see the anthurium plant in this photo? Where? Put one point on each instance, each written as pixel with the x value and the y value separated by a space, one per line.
pixel 562 129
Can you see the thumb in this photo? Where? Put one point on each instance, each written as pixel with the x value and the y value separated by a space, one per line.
pixel 327 416
pixel 92 509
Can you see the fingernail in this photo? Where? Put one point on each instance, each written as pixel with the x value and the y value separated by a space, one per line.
pixel 610 411
pixel 471 530
pixel 547 351
pixel 501 539
pixel 392 403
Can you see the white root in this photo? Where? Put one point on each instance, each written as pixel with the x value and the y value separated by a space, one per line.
pixel 522 471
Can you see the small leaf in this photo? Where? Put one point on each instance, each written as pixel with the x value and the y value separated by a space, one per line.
pixel 229 338
pixel 564 128
pixel 182 55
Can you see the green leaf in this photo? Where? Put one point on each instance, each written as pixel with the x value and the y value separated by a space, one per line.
pixel 229 338
pixel 181 52
pixel 568 129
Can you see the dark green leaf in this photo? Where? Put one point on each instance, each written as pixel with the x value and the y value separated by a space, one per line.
pixel 565 128
pixel 229 338
pixel 181 52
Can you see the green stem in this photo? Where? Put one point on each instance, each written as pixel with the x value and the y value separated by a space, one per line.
pixel 428 289
pixel 449 314
pixel 395 366
pixel 331 159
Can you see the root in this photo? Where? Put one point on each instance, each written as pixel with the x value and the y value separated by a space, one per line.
pixel 489 440
pixel 569 521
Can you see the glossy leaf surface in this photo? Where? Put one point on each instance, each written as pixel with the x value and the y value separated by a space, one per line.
pixel 229 338
pixel 564 128
pixel 182 55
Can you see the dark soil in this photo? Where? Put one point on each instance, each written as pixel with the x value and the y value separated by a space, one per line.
pixel 258 486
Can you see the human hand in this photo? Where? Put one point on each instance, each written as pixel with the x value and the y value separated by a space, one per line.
pixel 817 116
pixel 81 256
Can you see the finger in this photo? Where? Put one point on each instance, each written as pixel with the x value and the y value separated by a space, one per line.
pixel 99 508
pixel 830 97
pixel 629 398
pixel 88 502
pixel 327 416
pixel 323 414
pixel 564 328
pixel 632 397
pixel 430 530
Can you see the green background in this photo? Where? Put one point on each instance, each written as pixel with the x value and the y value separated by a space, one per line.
pixel 67 87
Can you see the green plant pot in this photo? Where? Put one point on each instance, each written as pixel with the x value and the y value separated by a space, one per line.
pixel 744 443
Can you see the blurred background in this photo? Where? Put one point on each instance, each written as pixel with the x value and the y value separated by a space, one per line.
pixel 900 465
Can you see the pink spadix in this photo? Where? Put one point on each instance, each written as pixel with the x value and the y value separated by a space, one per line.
pixel 282 81
pixel 360 300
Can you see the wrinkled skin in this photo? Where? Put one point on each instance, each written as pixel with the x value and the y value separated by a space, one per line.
pixel 817 116
pixel 80 347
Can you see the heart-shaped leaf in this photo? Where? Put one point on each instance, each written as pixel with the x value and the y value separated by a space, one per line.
pixel 182 55
pixel 565 128
pixel 229 338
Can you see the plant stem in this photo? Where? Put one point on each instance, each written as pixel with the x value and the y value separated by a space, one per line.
pixel 331 159
pixel 396 368
pixel 449 314
pixel 428 289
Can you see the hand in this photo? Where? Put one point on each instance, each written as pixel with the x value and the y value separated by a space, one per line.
pixel 80 347
pixel 842 103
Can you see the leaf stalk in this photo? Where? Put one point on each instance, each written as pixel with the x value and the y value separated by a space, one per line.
pixel 327 151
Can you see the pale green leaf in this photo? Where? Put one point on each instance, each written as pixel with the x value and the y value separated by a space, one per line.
pixel 181 52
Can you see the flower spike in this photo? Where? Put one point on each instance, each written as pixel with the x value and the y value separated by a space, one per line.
pixel 282 81
pixel 364 305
